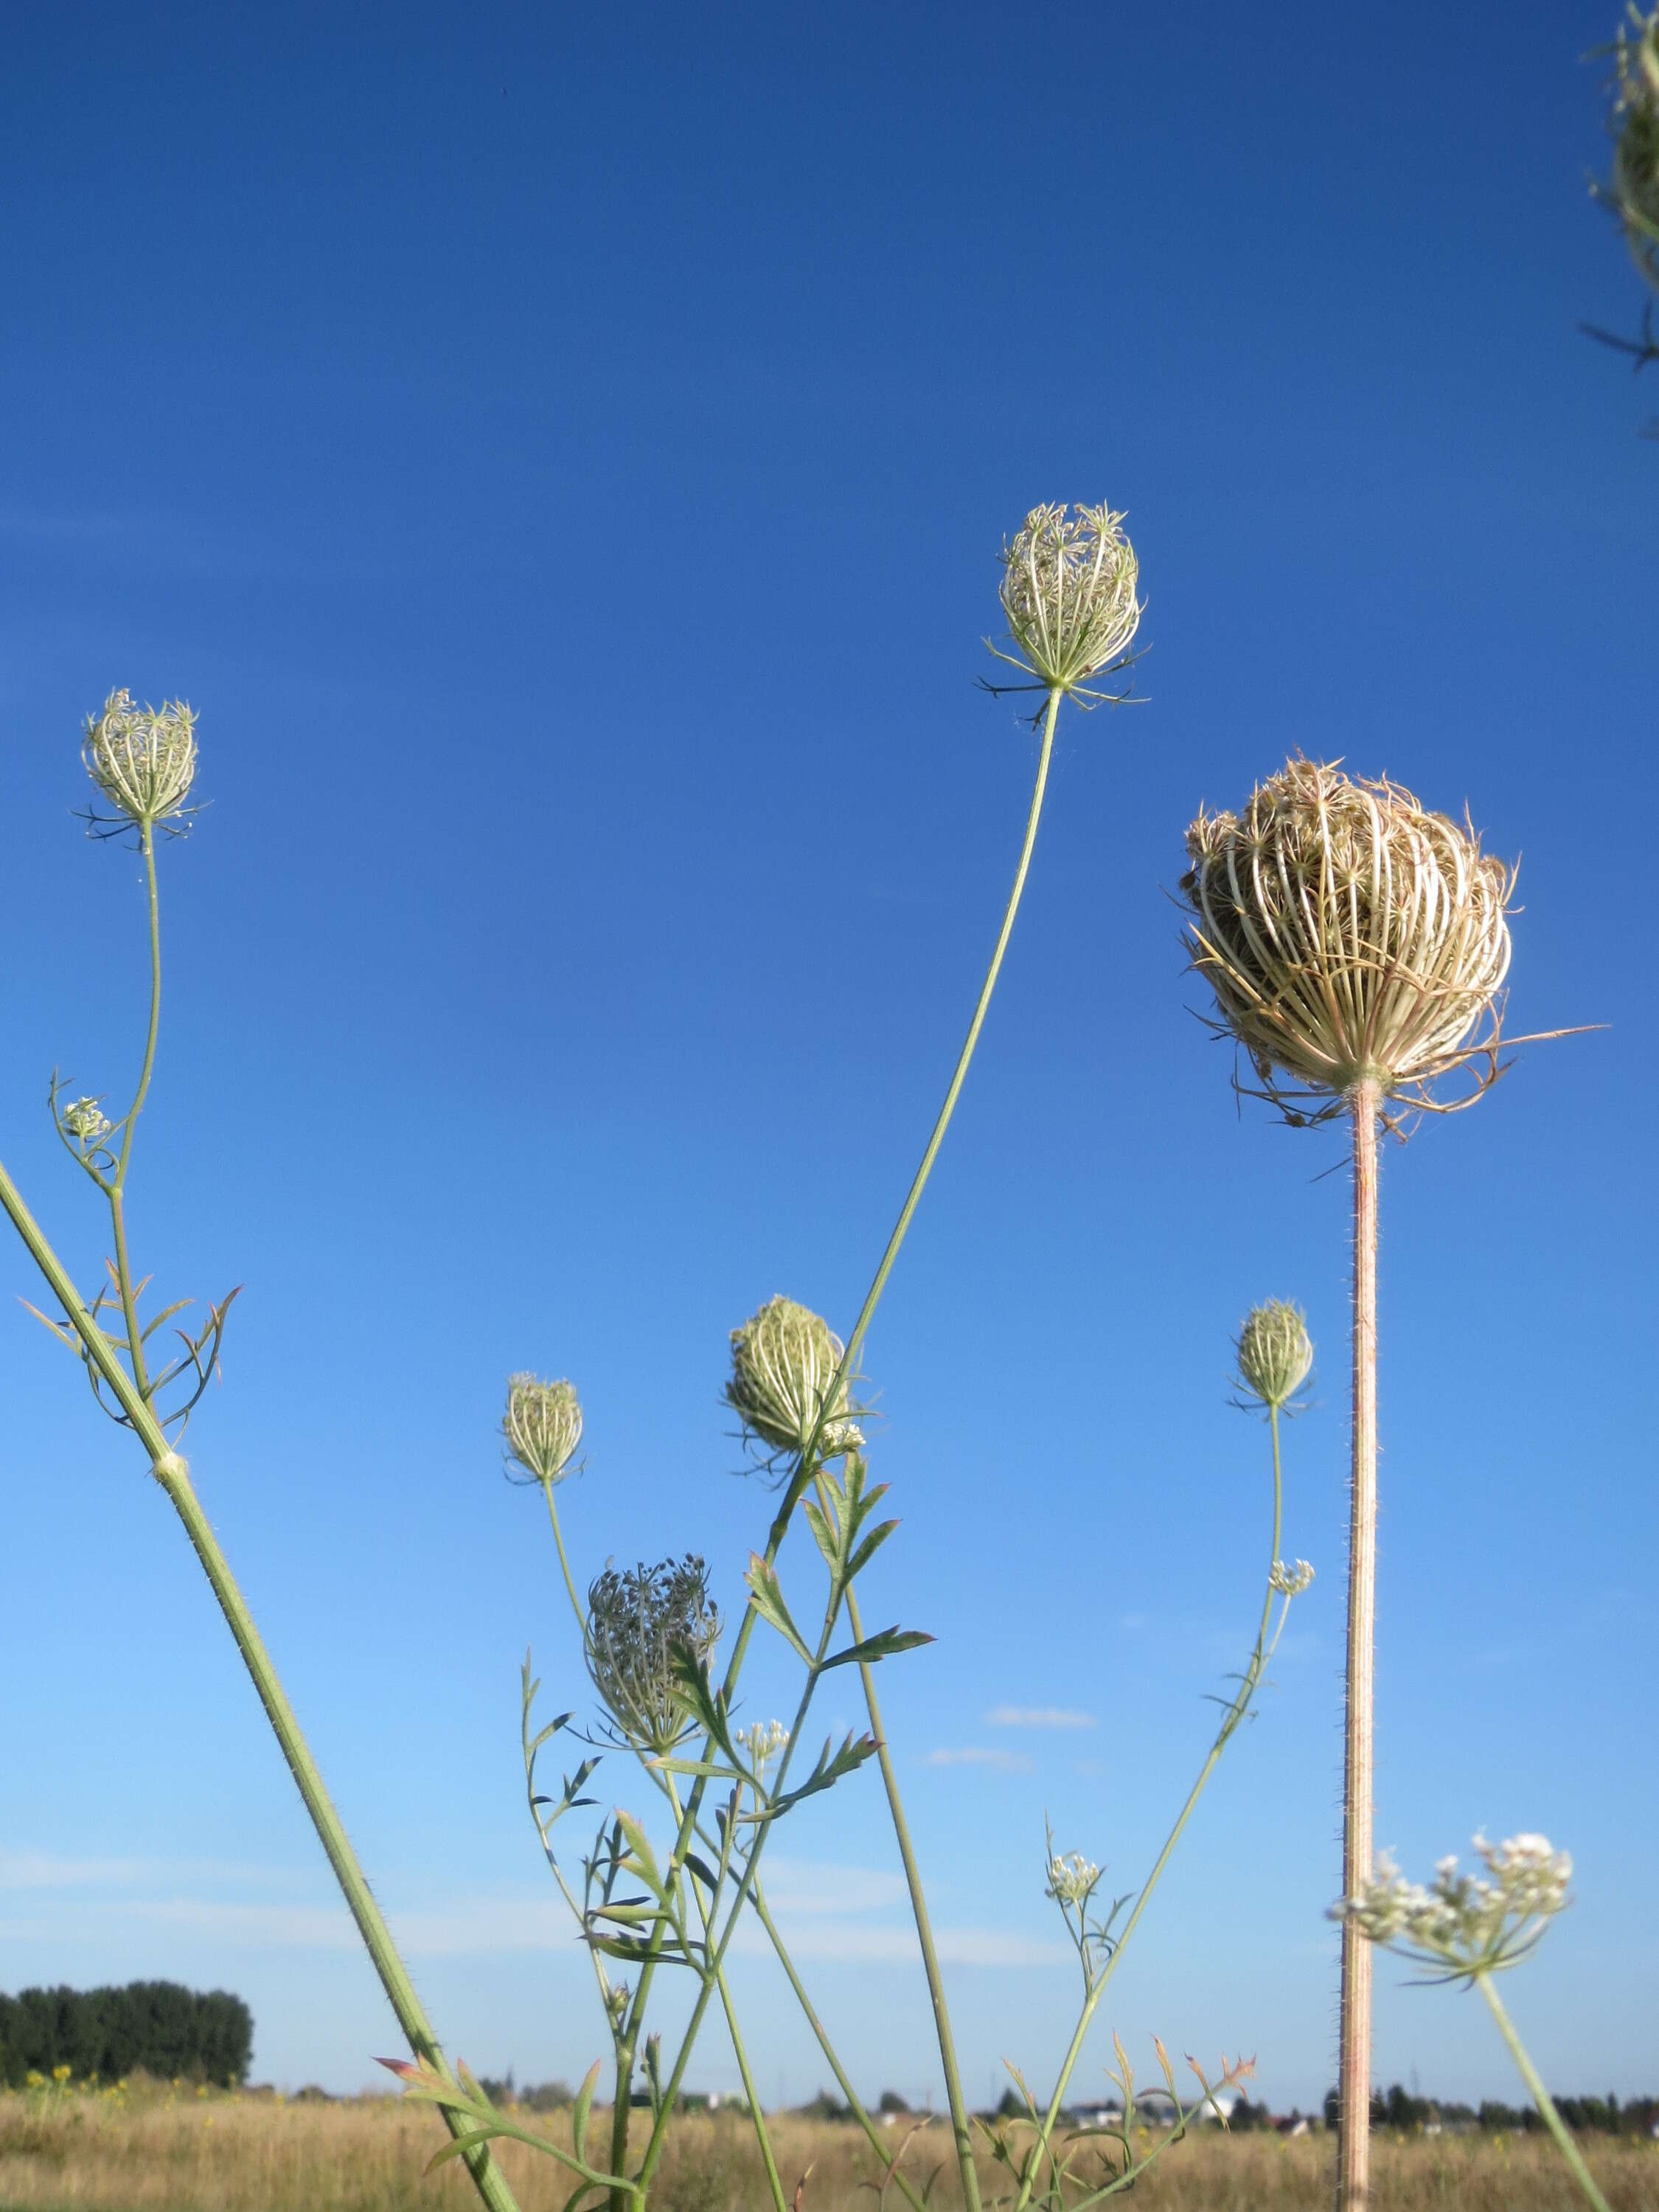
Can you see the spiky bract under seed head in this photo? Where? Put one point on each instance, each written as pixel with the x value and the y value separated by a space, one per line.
pixel 784 1360
pixel 542 1428
pixel 1349 936
pixel 640 1623
pixel 1275 1352
pixel 1069 590
pixel 141 758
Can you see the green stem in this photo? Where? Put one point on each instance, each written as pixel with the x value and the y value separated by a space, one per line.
pixel 619 2117
pixel 774 2181
pixel 117 1186
pixel 1235 1713
pixel 172 1474
pixel 1546 2104
pixel 757 1899
pixel 947 2048
pixel 901 1227
pixel 576 1602
pixel 872 1296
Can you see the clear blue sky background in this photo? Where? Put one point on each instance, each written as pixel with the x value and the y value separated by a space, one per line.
pixel 563 457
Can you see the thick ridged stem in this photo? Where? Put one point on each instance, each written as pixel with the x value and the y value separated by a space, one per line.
pixel 1354 2068
pixel 170 1471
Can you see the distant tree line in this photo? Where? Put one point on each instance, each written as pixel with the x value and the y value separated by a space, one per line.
pixel 1405 2114
pixel 159 2027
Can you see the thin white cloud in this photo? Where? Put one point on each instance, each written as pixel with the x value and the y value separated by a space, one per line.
pixel 825 1912
pixel 978 1754
pixel 1038 1717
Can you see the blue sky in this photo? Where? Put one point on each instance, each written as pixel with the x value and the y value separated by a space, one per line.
pixel 563 457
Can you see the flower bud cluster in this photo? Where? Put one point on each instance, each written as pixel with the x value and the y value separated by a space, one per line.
pixel 1071 1878
pixel 543 1428
pixel 1291 1581
pixel 762 1741
pixel 784 1360
pixel 1068 591
pixel 641 1623
pixel 142 759
pixel 1465 1923
pixel 1276 1353
pixel 85 1120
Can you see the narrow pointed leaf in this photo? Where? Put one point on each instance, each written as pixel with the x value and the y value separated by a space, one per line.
pixel 579 2110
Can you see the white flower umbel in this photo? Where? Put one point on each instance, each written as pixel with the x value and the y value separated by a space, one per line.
pixel 1068 591
pixel 142 759
pixel 1465 1924
pixel 1290 1581
pixel 1468 1927
pixel 1071 1878
pixel 762 1741
pixel 1635 186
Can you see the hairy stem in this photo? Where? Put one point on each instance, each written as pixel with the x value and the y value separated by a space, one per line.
pixel 1354 2070
pixel 1540 2096
pixel 118 1183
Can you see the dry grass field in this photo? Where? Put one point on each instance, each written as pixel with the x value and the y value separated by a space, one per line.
pixel 175 2151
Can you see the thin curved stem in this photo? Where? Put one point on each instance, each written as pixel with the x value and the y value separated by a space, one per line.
pixel 1235 1714
pixel 1540 2096
pixel 807 1463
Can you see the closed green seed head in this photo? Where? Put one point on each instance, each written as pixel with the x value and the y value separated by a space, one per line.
pixel 784 1359
pixel 543 1428
pixel 1068 591
pixel 142 759
pixel 1275 1352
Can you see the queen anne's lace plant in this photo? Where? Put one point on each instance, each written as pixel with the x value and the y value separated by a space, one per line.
pixel 1350 936
pixel 641 1624
pixel 542 1428
pixel 1276 1353
pixel 1465 1924
pixel 142 759
pixel 784 1359
pixel 1068 591
pixel 1292 1581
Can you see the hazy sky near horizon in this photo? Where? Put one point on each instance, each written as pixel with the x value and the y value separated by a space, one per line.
pixel 563 456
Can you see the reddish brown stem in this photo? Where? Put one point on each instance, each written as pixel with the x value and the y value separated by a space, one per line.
pixel 1354 2078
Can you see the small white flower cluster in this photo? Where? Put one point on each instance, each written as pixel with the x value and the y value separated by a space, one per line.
pixel 762 1741
pixel 86 1123
pixel 1464 1923
pixel 1292 1581
pixel 1071 1878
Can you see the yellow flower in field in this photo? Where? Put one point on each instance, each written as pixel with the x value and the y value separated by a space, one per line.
pixel 34 2081
pixel 62 2073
